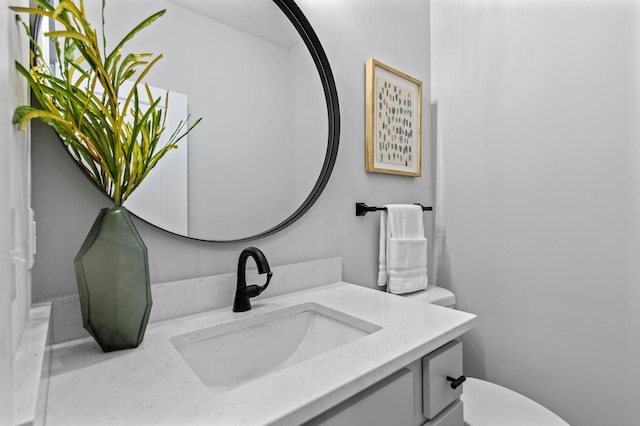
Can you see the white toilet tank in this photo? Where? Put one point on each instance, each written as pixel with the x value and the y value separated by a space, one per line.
pixel 434 295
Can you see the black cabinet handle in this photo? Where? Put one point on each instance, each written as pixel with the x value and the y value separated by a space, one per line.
pixel 456 382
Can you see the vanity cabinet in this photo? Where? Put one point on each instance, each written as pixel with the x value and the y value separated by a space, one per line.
pixel 388 402
pixel 418 395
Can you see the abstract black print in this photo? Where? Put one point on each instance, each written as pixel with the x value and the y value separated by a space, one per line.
pixel 394 123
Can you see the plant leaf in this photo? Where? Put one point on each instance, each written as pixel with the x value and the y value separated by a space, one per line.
pixel 112 138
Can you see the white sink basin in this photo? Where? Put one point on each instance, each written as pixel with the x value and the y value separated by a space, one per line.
pixel 231 354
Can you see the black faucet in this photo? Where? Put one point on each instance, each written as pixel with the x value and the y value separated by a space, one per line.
pixel 243 293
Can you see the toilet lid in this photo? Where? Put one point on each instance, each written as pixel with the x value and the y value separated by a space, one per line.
pixel 488 404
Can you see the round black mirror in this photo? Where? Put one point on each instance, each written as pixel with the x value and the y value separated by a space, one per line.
pixel 263 204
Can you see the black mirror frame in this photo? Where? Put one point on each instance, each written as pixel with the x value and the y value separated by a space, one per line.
pixel 304 28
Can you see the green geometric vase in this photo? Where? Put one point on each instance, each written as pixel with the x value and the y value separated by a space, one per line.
pixel 112 270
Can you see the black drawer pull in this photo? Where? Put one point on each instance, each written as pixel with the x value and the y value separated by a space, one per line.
pixel 456 382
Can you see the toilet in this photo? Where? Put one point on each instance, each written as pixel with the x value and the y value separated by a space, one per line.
pixel 485 403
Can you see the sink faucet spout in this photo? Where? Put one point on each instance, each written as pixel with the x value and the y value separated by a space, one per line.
pixel 241 302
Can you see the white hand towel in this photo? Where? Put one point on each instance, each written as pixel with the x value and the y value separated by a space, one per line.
pixel 407 265
pixel 403 249
pixel 405 221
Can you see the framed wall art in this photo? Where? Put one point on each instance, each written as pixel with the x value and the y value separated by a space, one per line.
pixel 393 121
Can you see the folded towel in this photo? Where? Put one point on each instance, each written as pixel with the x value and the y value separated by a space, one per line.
pixel 403 249
pixel 407 265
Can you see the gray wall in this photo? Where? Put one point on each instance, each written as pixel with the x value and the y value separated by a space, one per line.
pixel 538 123
pixel 396 33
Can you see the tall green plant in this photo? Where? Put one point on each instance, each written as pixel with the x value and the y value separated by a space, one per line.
pixel 115 141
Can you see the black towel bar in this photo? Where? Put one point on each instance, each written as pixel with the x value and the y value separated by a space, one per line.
pixel 362 208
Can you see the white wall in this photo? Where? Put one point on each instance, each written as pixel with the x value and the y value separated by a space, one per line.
pixel 15 296
pixel 538 105
pixel 351 32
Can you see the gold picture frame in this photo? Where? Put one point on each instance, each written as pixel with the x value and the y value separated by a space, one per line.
pixel 393 121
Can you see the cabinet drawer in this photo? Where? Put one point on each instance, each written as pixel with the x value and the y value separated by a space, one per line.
pixel 437 393
pixel 451 416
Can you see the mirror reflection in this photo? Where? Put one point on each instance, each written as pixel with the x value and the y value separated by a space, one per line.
pixel 258 152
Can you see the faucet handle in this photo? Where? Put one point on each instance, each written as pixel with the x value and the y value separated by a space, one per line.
pixel 255 290
pixel 264 287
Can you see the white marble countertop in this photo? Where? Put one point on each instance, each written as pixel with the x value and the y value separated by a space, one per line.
pixel 153 385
